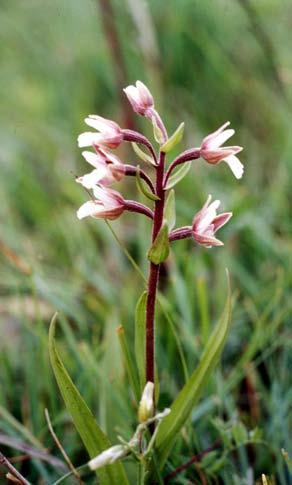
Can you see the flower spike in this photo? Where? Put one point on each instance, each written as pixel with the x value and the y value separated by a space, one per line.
pixel 206 223
pixel 212 151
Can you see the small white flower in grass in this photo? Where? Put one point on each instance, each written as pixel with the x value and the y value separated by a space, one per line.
pixel 146 406
pixel 212 151
pixel 108 456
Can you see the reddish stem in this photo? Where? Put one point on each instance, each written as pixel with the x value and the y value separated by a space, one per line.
pixel 181 233
pixel 133 206
pixel 194 459
pixel 131 170
pixel 154 114
pixel 187 156
pixel 134 136
pixel 6 463
pixel 154 275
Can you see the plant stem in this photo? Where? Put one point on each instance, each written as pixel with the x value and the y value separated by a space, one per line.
pixel 133 206
pixel 6 464
pixel 180 233
pixel 131 170
pixel 154 275
pixel 194 459
pixel 186 156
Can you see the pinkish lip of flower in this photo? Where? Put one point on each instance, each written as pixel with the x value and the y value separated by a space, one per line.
pixel 214 156
pixel 207 241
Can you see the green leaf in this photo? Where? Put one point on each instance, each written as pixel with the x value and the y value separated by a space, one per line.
pixel 178 175
pixel 158 135
pixel 240 434
pixel 140 337
pixel 202 301
pixel 143 187
pixel 169 210
pixel 159 250
pixel 131 370
pixel 141 154
pixel 94 439
pixel 189 395
pixel 174 139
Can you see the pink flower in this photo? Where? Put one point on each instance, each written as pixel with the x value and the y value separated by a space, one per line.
pixel 110 134
pixel 140 98
pixel 213 153
pixel 108 169
pixel 108 204
pixel 206 223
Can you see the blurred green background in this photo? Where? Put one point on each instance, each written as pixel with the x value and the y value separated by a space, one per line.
pixel 206 62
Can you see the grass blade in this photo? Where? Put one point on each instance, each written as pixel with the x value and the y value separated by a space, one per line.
pixel 93 437
pixel 130 366
pixel 189 395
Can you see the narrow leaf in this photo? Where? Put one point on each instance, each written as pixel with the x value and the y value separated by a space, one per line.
pixel 130 367
pixel 143 187
pixel 174 139
pixel 202 299
pixel 159 250
pixel 169 210
pixel 141 154
pixel 178 175
pixel 189 395
pixel 94 439
pixel 140 337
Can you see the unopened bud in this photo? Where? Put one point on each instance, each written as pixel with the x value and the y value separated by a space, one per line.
pixel 108 456
pixel 146 406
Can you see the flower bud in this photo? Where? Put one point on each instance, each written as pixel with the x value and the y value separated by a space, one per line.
pixel 140 98
pixel 146 406
pixel 108 456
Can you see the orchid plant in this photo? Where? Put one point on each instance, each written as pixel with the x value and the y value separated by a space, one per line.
pixel 156 431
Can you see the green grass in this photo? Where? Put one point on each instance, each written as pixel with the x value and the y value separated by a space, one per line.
pixel 213 66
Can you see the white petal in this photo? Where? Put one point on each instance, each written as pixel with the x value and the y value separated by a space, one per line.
pixel 88 138
pixel 235 165
pixel 147 396
pixel 108 456
pixel 208 216
pixel 90 180
pixel 221 138
pixel 88 209
pixel 213 135
pixel 132 93
pixel 106 196
pixel 145 95
pixel 98 123
pixel 93 159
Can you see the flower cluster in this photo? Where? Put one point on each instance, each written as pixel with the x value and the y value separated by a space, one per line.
pixel 108 169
